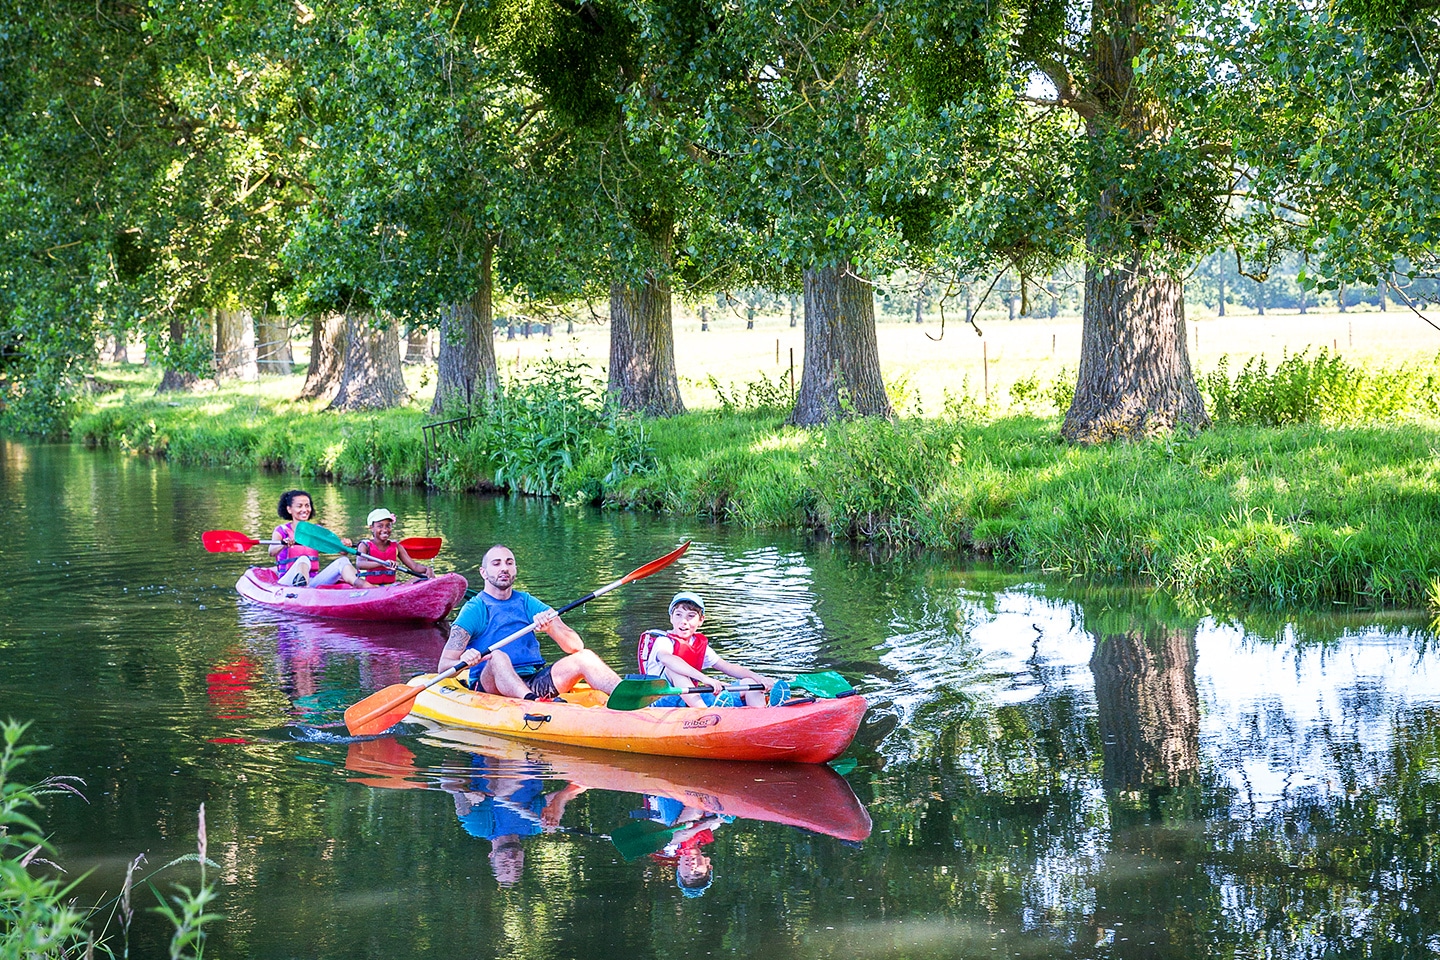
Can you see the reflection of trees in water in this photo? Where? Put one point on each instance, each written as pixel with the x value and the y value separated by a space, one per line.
pixel 1010 815
pixel 1351 868
pixel 1148 710
pixel 1107 825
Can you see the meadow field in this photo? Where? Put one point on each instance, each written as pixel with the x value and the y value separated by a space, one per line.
pixel 921 362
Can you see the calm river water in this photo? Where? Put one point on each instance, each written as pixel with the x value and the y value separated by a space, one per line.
pixel 1047 769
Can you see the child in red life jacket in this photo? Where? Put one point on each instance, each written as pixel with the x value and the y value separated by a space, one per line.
pixel 379 545
pixel 681 655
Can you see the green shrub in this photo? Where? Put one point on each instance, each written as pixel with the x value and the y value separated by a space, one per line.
pixel 541 426
pixel 760 394
pixel 620 450
pixel 1061 392
pixel 1025 393
pixel 871 477
pixel 1319 389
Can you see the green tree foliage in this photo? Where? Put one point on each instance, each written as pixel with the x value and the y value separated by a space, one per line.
pixel 131 199
pixel 417 132
pixel 159 157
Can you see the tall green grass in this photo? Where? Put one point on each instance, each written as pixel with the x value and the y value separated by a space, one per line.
pixel 39 915
pixel 1296 515
pixel 1337 504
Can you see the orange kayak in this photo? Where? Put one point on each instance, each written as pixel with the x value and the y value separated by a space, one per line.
pixel 809 796
pixel 812 732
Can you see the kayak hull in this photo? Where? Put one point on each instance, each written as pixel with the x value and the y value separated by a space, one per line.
pixel 426 600
pixel 813 732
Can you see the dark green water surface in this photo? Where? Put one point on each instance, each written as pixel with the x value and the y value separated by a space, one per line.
pixel 1048 769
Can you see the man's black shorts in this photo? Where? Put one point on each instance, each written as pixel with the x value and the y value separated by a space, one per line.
pixel 540 683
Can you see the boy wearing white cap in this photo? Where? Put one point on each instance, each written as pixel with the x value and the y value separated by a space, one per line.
pixel 682 655
pixel 379 546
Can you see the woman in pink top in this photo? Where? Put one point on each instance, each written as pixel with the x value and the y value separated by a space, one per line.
pixel 296 565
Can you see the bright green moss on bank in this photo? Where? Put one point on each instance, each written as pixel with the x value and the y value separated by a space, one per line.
pixel 1299 514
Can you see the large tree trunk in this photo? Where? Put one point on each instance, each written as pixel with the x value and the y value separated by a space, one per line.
pixel 642 339
pixel 1135 377
pixel 372 378
pixel 467 349
pixel 841 354
pixel 177 380
pixel 272 351
pixel 327 357
pixel 235 345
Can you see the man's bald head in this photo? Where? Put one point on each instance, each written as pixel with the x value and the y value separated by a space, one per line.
pixel 498 570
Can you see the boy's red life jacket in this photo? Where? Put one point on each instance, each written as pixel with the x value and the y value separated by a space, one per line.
pixel 389 552
pixel 671 852
pixel 692 651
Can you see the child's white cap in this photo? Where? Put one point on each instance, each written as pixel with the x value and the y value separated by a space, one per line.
pixel 686 596
pixel 378 514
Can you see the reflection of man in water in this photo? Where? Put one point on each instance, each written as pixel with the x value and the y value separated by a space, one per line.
pixel 505 810
pixel 693 869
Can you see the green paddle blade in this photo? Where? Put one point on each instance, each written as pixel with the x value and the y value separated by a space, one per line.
pixel 639 838
pixel 632 694
pixel 318 538
pixel 826 684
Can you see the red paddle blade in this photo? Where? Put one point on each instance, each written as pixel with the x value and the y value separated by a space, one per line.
pixel 227 541
pixel 422 548
pixel 639 573
pixel 381 710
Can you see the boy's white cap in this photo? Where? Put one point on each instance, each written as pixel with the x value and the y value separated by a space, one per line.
pixel 378 514
pixel 685 596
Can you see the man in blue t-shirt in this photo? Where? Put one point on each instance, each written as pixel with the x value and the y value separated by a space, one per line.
pixel 518 670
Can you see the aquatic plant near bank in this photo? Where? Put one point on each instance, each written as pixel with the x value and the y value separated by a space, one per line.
pixel 38 913
pixel 873 479
pixel 541 433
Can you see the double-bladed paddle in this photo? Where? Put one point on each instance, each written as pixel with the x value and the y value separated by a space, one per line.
pixel 641 837
pixel 634 693
pixel 382 710
pixel 318 538
pixel 233 541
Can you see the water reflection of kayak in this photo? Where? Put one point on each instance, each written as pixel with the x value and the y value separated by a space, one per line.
pixel 428 600
pixel 809 732
pixel 412 645
pixel 809 796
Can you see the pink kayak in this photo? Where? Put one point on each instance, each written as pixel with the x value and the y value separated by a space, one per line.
pixel 427 600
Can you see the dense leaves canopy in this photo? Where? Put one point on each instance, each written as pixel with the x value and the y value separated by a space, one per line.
pixel 173 156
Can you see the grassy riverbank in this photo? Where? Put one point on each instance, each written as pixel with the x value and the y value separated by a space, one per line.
pixel 1303 513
